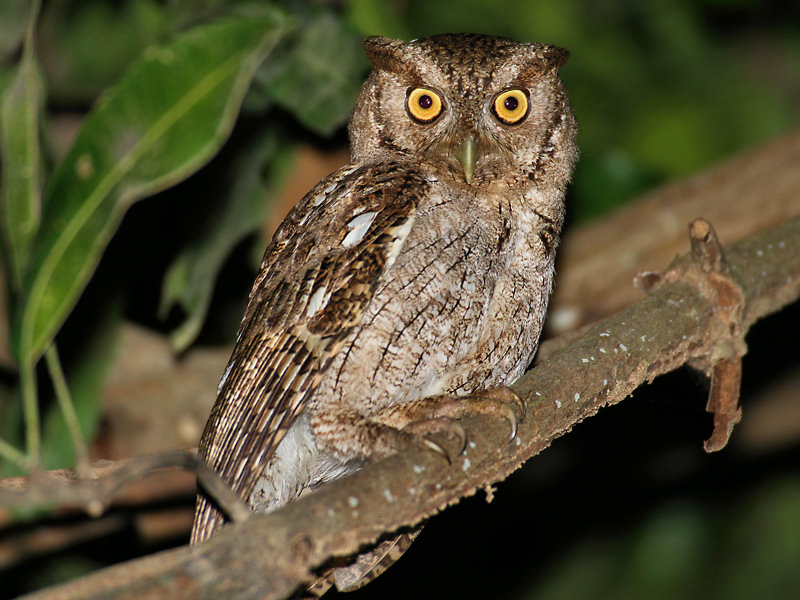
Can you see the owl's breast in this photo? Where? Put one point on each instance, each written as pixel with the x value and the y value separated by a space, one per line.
pixel 434 308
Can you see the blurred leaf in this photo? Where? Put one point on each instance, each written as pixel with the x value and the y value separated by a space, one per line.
pixel 72 33
pixel 20 202
pixel 13 21
pixel 167 116
pixel 761 554
pixel 319 75
pixel 377 17
pixel 256 177
pixel 744 548
pixel 603 182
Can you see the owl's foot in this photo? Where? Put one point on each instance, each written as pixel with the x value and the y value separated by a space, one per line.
pixel 428 433
pixel 420 432
pixel 352 435
pixel 438 413
pixel 500 402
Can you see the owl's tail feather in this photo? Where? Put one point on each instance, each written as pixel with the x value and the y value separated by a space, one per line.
pixel 207 519
pixel 369 565
pixel 366 567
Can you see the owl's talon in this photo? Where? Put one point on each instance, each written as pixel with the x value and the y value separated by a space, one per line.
pixel 422 429
pixel 523 408
pixel 506 395
pixel 437 448
pixel 512 420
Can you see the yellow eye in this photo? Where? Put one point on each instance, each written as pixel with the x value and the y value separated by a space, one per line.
pixel 424 105
pixel 511 106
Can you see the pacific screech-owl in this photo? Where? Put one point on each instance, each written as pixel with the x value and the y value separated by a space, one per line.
pixel 421 269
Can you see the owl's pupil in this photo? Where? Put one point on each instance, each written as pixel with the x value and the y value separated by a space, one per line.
pixel 511 103
pixel 425 102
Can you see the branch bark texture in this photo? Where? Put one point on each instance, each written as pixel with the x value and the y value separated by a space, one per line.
pixel 271 555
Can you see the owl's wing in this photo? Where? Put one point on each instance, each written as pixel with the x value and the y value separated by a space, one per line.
pixel 317 277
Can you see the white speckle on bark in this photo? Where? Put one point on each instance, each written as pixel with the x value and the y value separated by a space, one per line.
pixel 352 501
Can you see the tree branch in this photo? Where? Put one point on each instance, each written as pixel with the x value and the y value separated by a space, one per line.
pixel 103 481
pixel 681 321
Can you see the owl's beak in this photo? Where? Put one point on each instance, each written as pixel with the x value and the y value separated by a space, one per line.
pixel 465 153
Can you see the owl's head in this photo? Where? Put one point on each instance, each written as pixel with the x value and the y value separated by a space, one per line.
pixel 480 109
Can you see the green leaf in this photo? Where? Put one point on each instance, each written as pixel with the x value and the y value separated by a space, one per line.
pixel 20 200
pixel 167 116
pixel 191 277
pixel 318 78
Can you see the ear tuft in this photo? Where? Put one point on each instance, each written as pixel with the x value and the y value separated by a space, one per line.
pixel 554 56
pixel 383 52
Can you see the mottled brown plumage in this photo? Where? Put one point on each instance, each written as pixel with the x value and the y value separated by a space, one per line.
pixel 422 269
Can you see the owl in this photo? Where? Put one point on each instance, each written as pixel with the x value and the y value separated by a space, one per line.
pixel 406 287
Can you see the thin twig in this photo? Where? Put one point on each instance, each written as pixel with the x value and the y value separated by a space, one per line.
pixel 10 453
pixel 68 410
pixel 64 488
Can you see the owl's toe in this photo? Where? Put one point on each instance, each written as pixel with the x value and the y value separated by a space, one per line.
pixel 499 402
pixel 422 430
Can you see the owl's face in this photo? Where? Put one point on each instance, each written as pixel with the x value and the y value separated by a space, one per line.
pixel 477 109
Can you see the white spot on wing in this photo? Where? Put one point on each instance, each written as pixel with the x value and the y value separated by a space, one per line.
pixel 225 376
pixel 358 226
pixel 317 301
